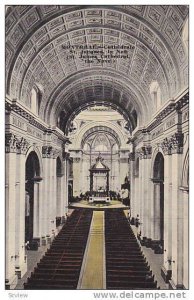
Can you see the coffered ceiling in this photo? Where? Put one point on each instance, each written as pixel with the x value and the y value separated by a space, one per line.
pixel 39 40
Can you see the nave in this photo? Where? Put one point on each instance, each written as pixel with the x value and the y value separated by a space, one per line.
pixel 96 110
pixel 125 265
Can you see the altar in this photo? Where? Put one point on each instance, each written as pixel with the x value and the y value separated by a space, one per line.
pixel 99 182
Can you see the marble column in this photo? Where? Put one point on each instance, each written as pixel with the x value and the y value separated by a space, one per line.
pixel 185 199
pixel 76 176
pixel 60 196
pixel 37 210
pixel 53 195
pixel 156 210
pixel 145 196
pixel 177 223
pixel 132 187
pixel 140 200
pixel 10 184
pixel 65 183
pixel 45 199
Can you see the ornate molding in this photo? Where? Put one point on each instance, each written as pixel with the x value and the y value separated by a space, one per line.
pixel 173 144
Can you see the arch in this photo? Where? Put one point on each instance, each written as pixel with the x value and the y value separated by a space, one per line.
pixel 62 97
pixel 59 167
pixel 77 144
pixel 158 170
pixel 185 172
pixel 32 176
pixel 155 151
pixel 158 197
pixel 100 129
pixel 66 123
pixel 35 149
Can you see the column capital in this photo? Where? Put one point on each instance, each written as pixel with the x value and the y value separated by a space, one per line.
pixel 144 152
pixel 176 142
pixel 10 143
pixel 47 151
pixel 166 147
pixel 22 146
pixel 173 144
pixel 15 144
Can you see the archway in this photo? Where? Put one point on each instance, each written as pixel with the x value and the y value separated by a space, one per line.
pixel 32 171
pixel 158 181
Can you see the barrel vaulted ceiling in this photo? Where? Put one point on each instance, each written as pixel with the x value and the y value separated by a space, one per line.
pixel 37 40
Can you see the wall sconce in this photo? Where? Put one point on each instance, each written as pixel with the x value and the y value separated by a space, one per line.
pixel 170 261
pixel 15 256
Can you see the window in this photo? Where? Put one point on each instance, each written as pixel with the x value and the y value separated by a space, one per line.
pixel 185 35
pixel 35 99
pixel 155 93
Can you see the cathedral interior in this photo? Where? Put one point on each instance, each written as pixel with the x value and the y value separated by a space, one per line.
pixel 96 147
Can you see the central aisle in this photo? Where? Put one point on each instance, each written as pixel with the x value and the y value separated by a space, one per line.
pixel 92 274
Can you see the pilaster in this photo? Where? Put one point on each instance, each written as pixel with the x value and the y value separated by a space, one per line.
pixel 10 183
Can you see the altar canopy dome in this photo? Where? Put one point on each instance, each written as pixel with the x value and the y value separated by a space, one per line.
pixel 99 165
